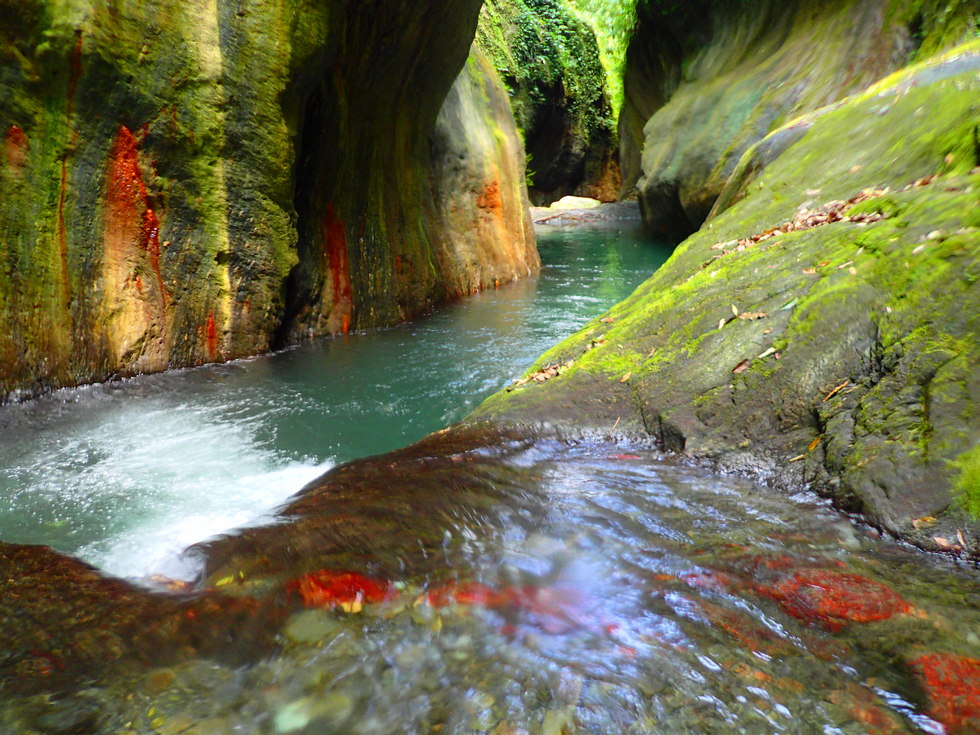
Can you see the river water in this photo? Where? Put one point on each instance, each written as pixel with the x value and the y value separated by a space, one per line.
pixel 476 582
pixel 126 475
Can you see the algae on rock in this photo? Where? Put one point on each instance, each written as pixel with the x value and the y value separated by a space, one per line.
pixel 549 61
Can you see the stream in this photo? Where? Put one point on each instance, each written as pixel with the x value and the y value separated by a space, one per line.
pixel 476 581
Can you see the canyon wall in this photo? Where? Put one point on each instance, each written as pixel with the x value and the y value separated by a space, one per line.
pixel 191 182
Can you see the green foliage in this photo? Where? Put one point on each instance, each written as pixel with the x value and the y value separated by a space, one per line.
pixel 538 47
pixel 613 22
pixel 966 487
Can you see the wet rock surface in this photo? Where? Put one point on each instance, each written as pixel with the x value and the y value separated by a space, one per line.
pixel 499 582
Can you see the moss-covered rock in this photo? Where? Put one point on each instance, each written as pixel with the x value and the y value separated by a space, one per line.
pixel 838 351
pixel 549 61
pixel 189 182
pixel 707 80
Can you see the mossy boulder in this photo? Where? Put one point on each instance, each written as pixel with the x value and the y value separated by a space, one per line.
pixel 549 61
pixel 707 80
pixel 187 182
pixel 834 352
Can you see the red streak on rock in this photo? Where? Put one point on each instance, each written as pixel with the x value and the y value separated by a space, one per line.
pixel 211 335
pixel 468 593
pixel 833 599
pixel 130 220
pixel 335 251
pixel 953 686
pixel 16 147
pixel 489 198
pixel 326 588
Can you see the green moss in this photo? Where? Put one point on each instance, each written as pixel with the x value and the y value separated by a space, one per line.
pixel 966 486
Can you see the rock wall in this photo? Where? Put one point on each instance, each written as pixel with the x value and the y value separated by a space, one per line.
pixel 549 61
pixel 820 331
pixel 706 80
pixel 190 182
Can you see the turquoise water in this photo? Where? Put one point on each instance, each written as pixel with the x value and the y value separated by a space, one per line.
pixel 126 475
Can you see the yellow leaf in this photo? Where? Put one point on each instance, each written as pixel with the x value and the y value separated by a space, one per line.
pixel 626 377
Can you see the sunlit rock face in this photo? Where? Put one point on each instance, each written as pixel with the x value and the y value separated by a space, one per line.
pixel 189 182
pixel 705 81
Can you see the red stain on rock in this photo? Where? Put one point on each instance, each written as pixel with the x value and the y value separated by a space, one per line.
pixel 741 627
pixel 952 684
pixel 832 599
pixel 131 222
pixel 211 335
pixel 15 147
pixel 326 588
pixel 335 252
pixel 489 198
pixel 467 593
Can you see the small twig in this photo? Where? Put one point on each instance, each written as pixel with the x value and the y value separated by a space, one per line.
pixel 836 390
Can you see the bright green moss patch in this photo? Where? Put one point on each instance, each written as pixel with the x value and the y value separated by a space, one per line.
pixel 966 486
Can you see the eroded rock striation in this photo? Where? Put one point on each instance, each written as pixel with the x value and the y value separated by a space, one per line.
pixel 190 182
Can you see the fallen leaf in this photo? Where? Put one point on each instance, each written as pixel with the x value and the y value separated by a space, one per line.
pixel 923 522
pixel 770 351
pixel 823 264
pixel 844 265
pixel 626 377
pixel 734 310
pixel 852 270
pixel 798 457
pixel 753 315
pixel 721 323
pixel 945 544
pixel 741 367
pixel 809 271
pixel 959 535
pixel 788 305
pixel 814 443
pixel 608 320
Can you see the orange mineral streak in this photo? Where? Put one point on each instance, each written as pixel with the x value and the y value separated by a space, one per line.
pixel 489 198
pixel 832 599
pixel 15 146
pixel 952 684
pixel 211 335
pixel 327 588
pixel 131 223
pixel 337 264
